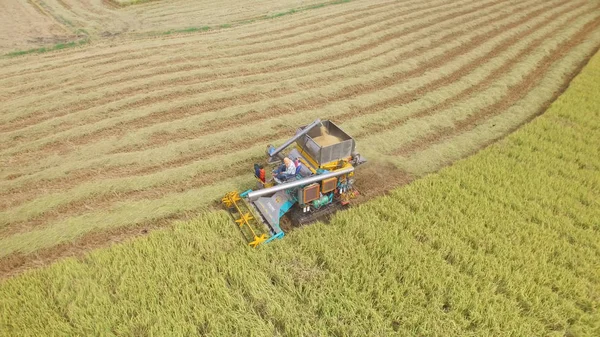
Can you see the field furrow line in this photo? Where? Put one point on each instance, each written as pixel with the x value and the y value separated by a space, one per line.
pixel 95 203
pixel 439 60
pixel 304 24
pixel 130 212
pixel 233 50
pixel 486 82
pixel 152 73
pixel 149 52
pixel 431 159
pixel 264 53
pixel 194 62
pixel 176 114
pixel 165 14
pixel 323 25
pixel 265 62
pixel 351 91
pixel 507 15
pixel 120 70
pixel 497 126
pixel 514 94
pixel 249 163
pixel 121 176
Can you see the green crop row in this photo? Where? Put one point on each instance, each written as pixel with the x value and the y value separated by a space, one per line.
pixel 240 22
pixel 57 46
pixel 504 243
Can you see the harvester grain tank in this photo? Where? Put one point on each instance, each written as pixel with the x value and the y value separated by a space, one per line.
pixel 323 182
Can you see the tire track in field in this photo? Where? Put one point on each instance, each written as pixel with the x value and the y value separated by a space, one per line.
pixel 182 111
pixel 117 56
pixel 98 202
pixel 237 73
pixel 72 208
pixel 513 61
pixel 311 40
pixel 355 17
pixel 316 21
pixel 108 131
pixel 68 63
pixel 187 59
pixel 515 93
pixel 463 71
pixel 40 116
pixel 440 60
pixel 306 31
pixel 204 178
pixel 424 65
pixel 135 170
pixel 276 111
pixel 37 116
pixel 175 114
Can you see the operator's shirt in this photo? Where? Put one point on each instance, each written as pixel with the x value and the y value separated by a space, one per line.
pixel 290 169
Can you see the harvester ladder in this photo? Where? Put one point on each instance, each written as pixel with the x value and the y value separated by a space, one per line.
pixel 233 201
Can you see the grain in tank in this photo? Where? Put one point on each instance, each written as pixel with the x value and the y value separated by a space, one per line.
pixel 325 139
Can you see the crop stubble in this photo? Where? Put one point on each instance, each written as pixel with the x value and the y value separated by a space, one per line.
pixel 209 126
pixel 234 146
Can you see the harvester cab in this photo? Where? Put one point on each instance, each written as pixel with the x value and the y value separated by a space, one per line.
pixel 310 182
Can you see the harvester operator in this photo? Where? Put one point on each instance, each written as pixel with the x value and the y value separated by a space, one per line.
pixel 286 170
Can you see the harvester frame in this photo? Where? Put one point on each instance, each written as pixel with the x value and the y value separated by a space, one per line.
pixel 323 184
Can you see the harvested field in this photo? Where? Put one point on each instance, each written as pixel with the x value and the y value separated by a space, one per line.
pixel 128 131
pixel 26 25
pixel 38 21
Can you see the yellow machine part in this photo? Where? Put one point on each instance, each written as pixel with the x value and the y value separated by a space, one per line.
pixel 243 217
pixel 331 166
pixel 266 184
pixel 329 184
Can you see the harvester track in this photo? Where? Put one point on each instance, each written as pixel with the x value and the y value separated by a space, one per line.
pixel 299 218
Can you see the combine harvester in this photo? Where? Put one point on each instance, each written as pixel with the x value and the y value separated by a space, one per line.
pixel 322 183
